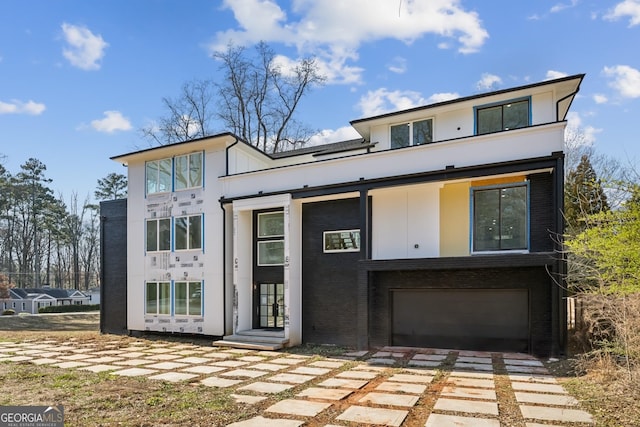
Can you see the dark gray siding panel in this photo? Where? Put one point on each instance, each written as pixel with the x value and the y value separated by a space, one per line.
pixel 113 254
pixel 542 214
pixel 329 281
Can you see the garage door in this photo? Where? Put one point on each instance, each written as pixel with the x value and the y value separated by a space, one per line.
pixel 478 319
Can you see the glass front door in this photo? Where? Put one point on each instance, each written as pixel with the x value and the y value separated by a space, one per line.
pixel 270 308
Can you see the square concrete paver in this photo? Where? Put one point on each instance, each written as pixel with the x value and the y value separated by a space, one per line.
pixel 407 400
pixel 134 354
pixel 266 422
pixel 474 353
pixel 357 375
pixel 44 361
pixel 291 378
pixel 546 399
pixel 366 415
pixel 203 369
pixel 135 372
pixel 303 408
pixel 547 379
pixel 229 363
pixel 325 393
pixel 473 366
pixel 306 370
pixel 252 358
pixel 381 361
pixel 70 364
pixel 469 393
pixel 103 359
pixel 356 353
pixel 431 357
pixel 217 355
pixel 344 383
pixel 264 387
pixel 409 378
pixel 527 369
pixel 468 359
pixel 523 362
pixel 424 363
pixel 75 357
pixel 555 414
pixel 542 388
pixel 286 361
pixel 475 407
pixel 471 382
pixel 163 357
pixel 167 365
pixel 439 420
pixel 244 373
pixel 133 362
pixel 173 377
pixel 401 387
pixel 249 400
pixel 219 382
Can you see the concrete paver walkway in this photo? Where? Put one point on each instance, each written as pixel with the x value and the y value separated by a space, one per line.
pixel 391 386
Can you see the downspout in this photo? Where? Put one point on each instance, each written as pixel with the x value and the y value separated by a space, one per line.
pixel 226 156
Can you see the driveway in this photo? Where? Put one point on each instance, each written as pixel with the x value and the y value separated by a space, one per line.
pixel 391 386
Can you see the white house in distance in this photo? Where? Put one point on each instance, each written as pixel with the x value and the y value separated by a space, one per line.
pixel 437 228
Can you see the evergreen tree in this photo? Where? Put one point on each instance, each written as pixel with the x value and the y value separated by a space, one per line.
pixel 584 196
pixel 111 187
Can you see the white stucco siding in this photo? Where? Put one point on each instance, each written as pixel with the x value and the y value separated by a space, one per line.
pixel 543 108
pixel 136 204
pixel 405 222
pixel 478 150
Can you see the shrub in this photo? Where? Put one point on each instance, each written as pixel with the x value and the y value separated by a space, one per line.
pixel 75 308
pixel 8 312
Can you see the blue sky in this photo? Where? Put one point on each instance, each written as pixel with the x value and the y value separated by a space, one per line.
pixel 78 78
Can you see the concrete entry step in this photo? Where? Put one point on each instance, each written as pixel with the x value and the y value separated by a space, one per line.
pixel 254 340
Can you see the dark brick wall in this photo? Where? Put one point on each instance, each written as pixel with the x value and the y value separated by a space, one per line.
pixel 329 281
pixel 542 213
pixel 113 272
pixel 534 279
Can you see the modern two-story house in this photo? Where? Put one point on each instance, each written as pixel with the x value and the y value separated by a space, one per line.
pixel 439 227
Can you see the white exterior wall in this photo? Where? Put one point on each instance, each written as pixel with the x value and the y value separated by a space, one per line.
pixel 544 110
pixel 484 149
pixel 204 265
pixel 406 222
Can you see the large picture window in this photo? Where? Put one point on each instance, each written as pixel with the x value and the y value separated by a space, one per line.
pixel 500 218
pixel 496 118
pixel 188 171
pixel 188 232
pixel 158 298
pixel 187 299
pixel 412 133
pixel 270 238
pixel 158 176
pixel 158 235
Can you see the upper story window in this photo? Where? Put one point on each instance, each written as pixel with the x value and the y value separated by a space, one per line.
pixel 188 171
pixel 188 232
pixel 500 218
pixel 158 235
pixel 158 175
pixel 270 238
pixel 412 133
pixel 504 116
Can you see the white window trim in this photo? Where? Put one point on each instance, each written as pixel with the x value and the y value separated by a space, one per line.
pixel 187 237
pixel 188 156
pixel 188 282
pixel 146 182
pixel 157 221
pixel 333 251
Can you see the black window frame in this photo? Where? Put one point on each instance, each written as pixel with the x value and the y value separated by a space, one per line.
pixel 502 105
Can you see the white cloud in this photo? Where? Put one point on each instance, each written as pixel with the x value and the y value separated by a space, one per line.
pixel 327 136
pixel 577 133
pixel 441 97
pixel 112 122
pixel 600 98
pixel 85 49
pixel 329 31
pixel 398 65
pixel 382 101
pixel 552 74
pixel 625 80
pixel 626 8
pixel 562 6
pixel 19 107
pixel 488 82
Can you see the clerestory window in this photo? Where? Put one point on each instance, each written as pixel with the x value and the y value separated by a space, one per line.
pixel 412 133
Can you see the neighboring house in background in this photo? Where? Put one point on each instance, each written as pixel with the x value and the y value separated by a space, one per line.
pixel 30 300
pixel 438 228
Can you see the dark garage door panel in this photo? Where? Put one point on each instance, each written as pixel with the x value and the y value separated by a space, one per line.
pixel 478 319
